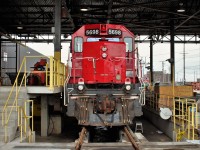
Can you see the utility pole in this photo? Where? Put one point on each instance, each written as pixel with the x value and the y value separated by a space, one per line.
pixel 184 53
pixel 163 71
pixel 177 77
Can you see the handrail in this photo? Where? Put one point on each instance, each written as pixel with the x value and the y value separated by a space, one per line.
pixel 16 96
pixel 185 114
pixel 57 74
pixel 142 98
pixel 66 81
pixel 23 114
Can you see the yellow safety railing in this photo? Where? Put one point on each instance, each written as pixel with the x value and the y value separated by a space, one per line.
pixel 55 72
pixel 55 77
pixel 24 120
pixel 154 101
pixel 6 114
pixel 186 117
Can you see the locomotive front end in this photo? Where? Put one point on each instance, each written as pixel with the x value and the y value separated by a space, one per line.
pixel 103 89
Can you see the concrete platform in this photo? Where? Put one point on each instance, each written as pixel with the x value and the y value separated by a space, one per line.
pixel 43 90
pixel 166 126
pixel 151 132
pixel 37 146
pixel 107 146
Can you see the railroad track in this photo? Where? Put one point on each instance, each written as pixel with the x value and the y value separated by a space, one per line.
pixel 127 131
pixel 79 142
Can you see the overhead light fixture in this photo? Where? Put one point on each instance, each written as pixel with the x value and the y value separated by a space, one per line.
pixel 84 9
pixel 19 27
pixel 181 8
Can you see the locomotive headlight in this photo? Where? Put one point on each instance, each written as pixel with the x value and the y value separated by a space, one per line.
pixel 104 55
pixel 104 49
pixel 80 87
pixel 128 87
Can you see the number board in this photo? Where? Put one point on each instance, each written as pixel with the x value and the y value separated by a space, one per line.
pixel 114 32
pixel 92 32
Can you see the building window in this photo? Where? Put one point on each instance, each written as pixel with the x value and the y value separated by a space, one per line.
pixel 5 56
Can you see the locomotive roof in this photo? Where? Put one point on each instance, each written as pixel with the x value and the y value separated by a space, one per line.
pixel 143 17
pixel 114 26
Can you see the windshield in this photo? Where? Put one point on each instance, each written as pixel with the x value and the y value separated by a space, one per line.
pixel 98 39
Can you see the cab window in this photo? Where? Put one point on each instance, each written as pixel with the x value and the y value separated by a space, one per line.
pixel 78 44
pixel 92 39
pixel 129 44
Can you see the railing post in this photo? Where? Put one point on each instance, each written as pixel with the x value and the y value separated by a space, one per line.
pixel 54 72
pixel 46 74
pixel 25 70
pixel 196 115
pixel 64 74
pixel 189 123
pixel 32 116
pixel 5 124
pixel 58 72
pixel 192 122
pixel 174 114
pixel 51 73
pixel 21 124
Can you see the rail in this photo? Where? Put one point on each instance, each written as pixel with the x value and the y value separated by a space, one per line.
pixel 130 136
pixel 79 142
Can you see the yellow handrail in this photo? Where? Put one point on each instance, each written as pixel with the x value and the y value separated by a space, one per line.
pixel 56 73
pixel 185 115
pixel 11 92
pixel 23 115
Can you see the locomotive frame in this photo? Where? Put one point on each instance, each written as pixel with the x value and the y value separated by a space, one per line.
pixel 103 86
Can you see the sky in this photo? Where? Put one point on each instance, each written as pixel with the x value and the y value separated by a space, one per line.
pixel 161 52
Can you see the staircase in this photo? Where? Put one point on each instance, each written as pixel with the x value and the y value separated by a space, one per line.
pixel 13 121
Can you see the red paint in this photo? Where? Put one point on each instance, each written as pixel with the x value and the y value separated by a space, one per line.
pixel 89 63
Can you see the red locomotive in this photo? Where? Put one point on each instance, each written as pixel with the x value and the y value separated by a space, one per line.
pixel 103 88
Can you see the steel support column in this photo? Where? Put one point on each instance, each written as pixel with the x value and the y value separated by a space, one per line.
pixel 109 10
pixel 172 58
pixel 151 61
pixel 57 38
pixel 16 62
pixel 0 57
pixel 44 115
